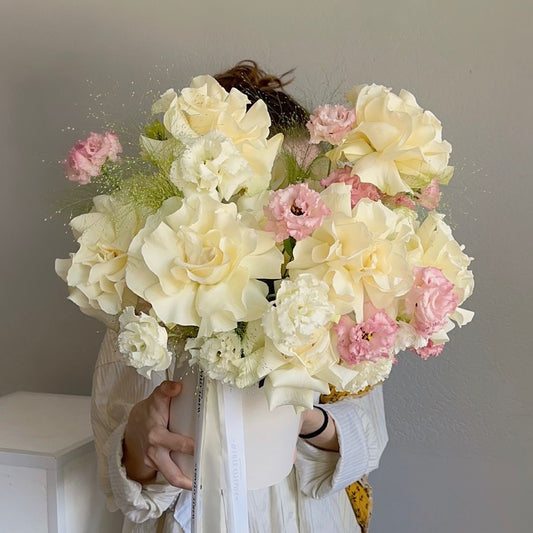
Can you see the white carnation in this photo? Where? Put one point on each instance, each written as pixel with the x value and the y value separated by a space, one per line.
pixel 370 373
pixel 144 342
pixel 211 164
pixel 219 355
pixel 302 307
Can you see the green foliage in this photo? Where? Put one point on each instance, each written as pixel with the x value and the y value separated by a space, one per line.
pixel 156 131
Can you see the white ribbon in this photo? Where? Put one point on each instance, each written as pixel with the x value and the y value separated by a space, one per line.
pixel 196 504
pixel 219 499
pixel 234 492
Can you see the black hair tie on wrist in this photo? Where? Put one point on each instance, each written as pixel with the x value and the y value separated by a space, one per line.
pixel 321 429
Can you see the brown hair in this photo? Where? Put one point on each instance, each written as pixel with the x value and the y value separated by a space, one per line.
pixel 288 116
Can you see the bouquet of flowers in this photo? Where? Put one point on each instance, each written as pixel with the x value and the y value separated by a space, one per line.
pixel 297 276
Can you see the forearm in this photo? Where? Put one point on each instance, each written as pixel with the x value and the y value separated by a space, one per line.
pixel 312 421
pixel 361 434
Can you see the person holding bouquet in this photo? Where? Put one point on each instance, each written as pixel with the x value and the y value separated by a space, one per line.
pixel 338 442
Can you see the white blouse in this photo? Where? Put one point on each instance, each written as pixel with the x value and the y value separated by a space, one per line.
pixel 311 499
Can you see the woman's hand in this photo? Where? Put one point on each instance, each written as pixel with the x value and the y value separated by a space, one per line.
pixel 148 442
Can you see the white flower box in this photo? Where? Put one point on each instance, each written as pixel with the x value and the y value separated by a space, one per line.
pixel 48 479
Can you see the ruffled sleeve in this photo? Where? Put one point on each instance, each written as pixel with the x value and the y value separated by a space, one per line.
pixel 362 434
pixel 116 389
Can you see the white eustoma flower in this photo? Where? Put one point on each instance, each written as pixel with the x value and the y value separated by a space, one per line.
pixel 200 265
pixel 95 274
pixel 211 164
pixel 395 144
pixel 143 342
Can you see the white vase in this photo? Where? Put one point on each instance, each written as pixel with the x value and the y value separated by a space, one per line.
pixel 269 436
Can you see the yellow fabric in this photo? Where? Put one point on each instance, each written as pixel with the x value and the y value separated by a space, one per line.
pixel 360 492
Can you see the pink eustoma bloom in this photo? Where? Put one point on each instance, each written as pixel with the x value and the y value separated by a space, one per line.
pixel 368 341
pixel 295 211
pixel 330 123
pixel 86 158
pixel 430 301
pixel 429 197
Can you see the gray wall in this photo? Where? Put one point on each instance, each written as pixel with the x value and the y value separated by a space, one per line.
pixel 460 458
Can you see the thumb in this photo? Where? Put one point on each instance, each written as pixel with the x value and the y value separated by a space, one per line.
pixel 168 389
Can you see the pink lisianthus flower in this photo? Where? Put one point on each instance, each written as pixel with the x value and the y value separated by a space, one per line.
pixel 368 341
pixel 295 211
pixel 430 350
pixel 86 158
pixel 429 197
pixel 360 189
pixel 430 300
pixel 330 123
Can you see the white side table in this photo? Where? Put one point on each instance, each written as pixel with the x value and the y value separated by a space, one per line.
pixel 48 479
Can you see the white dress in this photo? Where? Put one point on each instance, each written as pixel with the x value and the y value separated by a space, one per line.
pixel 311 499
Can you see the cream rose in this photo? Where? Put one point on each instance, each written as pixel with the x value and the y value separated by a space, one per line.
pixel 438 248
pixel 198 108
pixel 206 107
pixel 143 342
pixel 200 265
pixel 395 145
pixel 360 254
pixel 95 274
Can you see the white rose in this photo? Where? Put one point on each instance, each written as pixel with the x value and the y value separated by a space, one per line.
pixel 298 352
pixel 200 265
pixel 395 145
pixel 144 342
pixel 211 164
pixel 95 274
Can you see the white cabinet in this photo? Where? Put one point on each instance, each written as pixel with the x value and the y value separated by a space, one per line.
pixel 48 481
